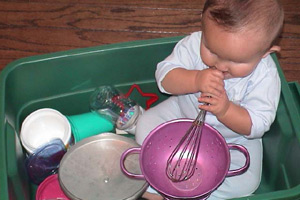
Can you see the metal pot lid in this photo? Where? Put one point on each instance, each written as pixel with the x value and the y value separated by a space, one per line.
pixel 91 169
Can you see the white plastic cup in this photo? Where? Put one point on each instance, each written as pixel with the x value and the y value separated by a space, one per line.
pixel 42 126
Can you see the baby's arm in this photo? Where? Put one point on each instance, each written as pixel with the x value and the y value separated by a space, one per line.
pixel 231 115
pixel 183 81
pixel 237 119
pixel 180 81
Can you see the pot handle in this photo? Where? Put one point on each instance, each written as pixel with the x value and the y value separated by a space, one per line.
pixel 243 169
pixel 122 163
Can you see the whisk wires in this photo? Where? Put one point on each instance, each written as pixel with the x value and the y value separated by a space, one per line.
pixel 181 164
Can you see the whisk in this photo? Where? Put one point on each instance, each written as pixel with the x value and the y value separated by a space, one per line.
pixel 181 164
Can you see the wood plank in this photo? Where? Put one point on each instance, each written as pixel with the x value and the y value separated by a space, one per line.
pixel 33 28
pixel 156 4
pixel 92 17
pixel 290 5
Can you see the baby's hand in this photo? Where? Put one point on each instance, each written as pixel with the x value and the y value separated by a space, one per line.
pixel 218 105
pixel 210 81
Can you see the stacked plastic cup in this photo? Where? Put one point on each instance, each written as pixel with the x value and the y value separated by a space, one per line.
pixel 89 124
pixel 42 126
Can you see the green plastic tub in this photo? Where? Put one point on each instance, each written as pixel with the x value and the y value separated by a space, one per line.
pixel 295 88
pixel 65 80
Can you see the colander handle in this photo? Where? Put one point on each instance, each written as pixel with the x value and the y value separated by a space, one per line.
pixel 243 169
pixel 122 163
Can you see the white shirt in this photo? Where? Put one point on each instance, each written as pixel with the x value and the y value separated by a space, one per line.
pixel 259 92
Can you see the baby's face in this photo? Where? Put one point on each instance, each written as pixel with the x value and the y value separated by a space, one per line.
pixel 235 54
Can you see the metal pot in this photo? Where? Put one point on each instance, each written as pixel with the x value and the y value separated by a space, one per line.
pixel 212 164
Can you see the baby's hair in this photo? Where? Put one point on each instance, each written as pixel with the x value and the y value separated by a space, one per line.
pixel 258 15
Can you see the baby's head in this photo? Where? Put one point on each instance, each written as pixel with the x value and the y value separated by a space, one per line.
pixel 263 17
pixel 239 31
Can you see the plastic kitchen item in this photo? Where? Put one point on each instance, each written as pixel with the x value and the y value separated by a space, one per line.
pixel 65 80
pixel 152 96
pixel 109 101
pixel 212 165
pixel 181 164
pixel 122 110
pixel 88 124
pixel 45 160
pixel 50 189
pixel 42 126
pixel 91 170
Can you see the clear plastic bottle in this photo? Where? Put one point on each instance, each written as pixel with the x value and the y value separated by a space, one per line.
pixel 110 102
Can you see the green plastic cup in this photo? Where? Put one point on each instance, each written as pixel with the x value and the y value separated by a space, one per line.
pixel 89 124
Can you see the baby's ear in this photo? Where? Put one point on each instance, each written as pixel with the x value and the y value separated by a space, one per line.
pixel 274 48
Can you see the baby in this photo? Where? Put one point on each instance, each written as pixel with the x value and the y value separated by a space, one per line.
pixel 227 65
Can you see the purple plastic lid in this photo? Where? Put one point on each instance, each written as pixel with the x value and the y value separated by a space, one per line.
pixel 45 161
pixel 50 189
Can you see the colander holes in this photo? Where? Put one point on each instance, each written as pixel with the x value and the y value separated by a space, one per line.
pixel 106 180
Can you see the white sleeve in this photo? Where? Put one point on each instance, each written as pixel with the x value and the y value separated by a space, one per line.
pixel 185 54
pixel 262 99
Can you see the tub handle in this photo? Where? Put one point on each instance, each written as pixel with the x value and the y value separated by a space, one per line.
pixel 122 163
pixel 243 169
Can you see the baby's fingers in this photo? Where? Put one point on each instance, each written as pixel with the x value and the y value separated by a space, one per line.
pixel 218 74
pixel 205 98
pixel 215 90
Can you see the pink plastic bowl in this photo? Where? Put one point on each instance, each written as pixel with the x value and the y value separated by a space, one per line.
pixel 212 166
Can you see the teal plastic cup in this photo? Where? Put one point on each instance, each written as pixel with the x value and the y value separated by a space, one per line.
pixel 89 124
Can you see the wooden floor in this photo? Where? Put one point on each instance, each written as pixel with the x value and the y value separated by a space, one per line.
pixel 31 27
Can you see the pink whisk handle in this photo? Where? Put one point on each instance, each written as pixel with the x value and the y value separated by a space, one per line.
pixel 244 151
pixel 133 150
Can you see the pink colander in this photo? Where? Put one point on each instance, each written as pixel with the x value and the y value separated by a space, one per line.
pixel 212 164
